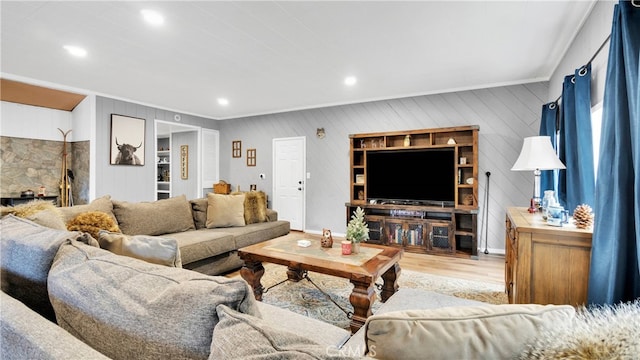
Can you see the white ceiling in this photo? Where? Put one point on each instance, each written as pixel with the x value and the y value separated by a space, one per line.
pixel 272 56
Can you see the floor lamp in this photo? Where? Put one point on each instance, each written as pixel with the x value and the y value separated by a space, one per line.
pixel 537 154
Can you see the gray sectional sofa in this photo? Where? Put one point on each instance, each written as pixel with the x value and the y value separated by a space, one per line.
pixel 110 306
pixel 209 250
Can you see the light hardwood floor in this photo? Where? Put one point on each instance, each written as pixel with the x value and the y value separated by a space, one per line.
pixel 488 268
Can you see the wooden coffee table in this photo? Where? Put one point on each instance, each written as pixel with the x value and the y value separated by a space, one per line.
pixel 362 269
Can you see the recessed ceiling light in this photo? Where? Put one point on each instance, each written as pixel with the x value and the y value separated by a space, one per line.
pixel 152 17
pixel 223 101
pixel 350 80
pixel 76 50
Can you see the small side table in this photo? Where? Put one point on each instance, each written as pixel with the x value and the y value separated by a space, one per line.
pixel 13 201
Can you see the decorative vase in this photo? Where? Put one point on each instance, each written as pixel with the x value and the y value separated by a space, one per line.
pixel 355 247
pixel 407 141
pixel 548 200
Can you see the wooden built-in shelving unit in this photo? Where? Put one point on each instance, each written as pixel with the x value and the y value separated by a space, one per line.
pixel 449 229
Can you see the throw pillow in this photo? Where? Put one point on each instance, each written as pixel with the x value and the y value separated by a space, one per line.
pixel 100 204
pixel 242 336
pixel 39 211
pixel 160 217
pixel 225 210
pixel 131 309
pixel 153 249
pixel 28 250
pixel 199 211
pixel 486 332
pixel 605 332
pixel 255 207
pixel 92 222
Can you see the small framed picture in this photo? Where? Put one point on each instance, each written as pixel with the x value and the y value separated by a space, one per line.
pixel 184 162
pixel 360 179
pixel 251 157
pixel 236 148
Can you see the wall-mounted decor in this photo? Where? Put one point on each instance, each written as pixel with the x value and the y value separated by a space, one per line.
pixel 251 157
pixel 236 148
pixel 320 133
pixel 127 140
pixel 184 162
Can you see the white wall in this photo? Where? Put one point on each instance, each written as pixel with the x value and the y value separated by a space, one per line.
pixel 34 122
pixel 593 33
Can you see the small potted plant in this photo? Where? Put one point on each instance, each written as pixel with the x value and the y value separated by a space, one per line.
pixel 357 230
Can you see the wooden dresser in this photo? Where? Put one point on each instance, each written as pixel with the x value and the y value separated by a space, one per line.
pixel 545 264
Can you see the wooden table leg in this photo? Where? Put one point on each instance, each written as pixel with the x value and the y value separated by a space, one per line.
pixel 252 272
pixel 362 297
pixel 294 275
pixel 390 285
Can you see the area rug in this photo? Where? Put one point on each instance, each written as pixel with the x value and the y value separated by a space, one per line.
pixel 305 299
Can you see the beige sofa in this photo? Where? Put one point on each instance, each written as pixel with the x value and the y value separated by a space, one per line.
pixel 111 306
pixel 210 250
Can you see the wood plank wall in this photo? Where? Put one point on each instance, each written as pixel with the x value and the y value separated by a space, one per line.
pixel 505 115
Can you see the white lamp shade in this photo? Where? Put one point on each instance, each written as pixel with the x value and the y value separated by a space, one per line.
pixel 537 154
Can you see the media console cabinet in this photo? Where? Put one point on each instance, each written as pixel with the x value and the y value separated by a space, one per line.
pixel 445 228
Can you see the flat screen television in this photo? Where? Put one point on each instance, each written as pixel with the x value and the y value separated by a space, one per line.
pixel 417 176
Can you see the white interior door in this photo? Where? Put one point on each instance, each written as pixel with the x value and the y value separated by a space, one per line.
pixel 289 156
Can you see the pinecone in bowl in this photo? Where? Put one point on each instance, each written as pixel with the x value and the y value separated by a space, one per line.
pixel 583 216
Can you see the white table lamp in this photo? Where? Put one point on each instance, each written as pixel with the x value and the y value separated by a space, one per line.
pixel 537 154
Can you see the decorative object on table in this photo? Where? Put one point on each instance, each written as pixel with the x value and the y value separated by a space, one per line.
pixel 127 140
pixel 327 239
pixel 251 157
pixel 65 180
pixel 557 215
pixel 469 181
pixel 359 178
pixel 42 191
pixel 236 148
pixel 222 188
pixel 320 133
pixel 549 199
pixel 304 243
pixel 451 141
pixel 463 160
pixel 26 193
pixel 184 162
pixel 467 200
pixel 360 195
pixel 583 216
pixel 407 140
pixel 537 154
pixel 357 229
pixel 346 247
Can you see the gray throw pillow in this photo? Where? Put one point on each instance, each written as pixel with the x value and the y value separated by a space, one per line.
pixel 160 217
pixel 199 211
pixel 153 249
pixel 102 204
pixel 28 250
pixel 131 309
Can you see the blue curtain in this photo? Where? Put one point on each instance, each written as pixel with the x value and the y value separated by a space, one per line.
pixel 615 254
pixel 548 127
pixel 576 183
